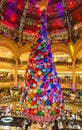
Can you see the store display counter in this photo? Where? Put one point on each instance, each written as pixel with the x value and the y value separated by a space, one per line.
pixel 11 123
pixel 70 124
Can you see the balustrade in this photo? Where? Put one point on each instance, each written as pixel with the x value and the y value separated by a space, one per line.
pixel 7 60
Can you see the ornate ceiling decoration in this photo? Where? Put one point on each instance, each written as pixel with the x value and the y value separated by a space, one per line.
pixel 18 19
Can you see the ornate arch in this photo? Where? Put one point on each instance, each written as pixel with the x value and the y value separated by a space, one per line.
pixel 26 47
pixel 78 47
pixel 59 47
pixel 8 43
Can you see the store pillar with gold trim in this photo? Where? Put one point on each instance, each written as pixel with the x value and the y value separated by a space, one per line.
pixel 73 74
pixel 16 72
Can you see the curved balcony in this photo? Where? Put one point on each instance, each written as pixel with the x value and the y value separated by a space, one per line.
pixel 63 63
pixel 12 61
pixel 7 60
pixel 9 99
pixel 56 63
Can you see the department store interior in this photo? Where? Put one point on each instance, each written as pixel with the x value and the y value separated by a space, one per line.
pixel 18 32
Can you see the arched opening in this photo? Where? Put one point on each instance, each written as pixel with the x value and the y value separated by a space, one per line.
pixel 63 63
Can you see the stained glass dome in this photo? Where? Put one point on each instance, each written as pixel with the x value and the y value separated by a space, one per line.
pixel 19 19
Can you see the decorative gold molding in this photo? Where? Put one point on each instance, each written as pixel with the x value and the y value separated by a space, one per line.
pixel 78 47
pixel 60 48
pixel 8 43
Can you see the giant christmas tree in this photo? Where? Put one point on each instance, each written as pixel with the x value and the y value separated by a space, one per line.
pixel 41 96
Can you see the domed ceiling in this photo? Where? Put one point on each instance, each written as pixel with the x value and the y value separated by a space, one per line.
pixel 18 19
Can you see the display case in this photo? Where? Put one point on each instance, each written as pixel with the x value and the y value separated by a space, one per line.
pixel 12 123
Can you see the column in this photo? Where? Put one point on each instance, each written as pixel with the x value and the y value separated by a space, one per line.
pixel 16 72
pixel 74 74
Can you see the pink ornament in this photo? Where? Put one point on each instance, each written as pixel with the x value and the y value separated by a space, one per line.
pixel 38 98
pixel 42 89
pixel 45 85
pixel 34 85
pixel 52 90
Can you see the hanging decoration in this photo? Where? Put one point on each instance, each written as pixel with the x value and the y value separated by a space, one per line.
pixel 41 99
